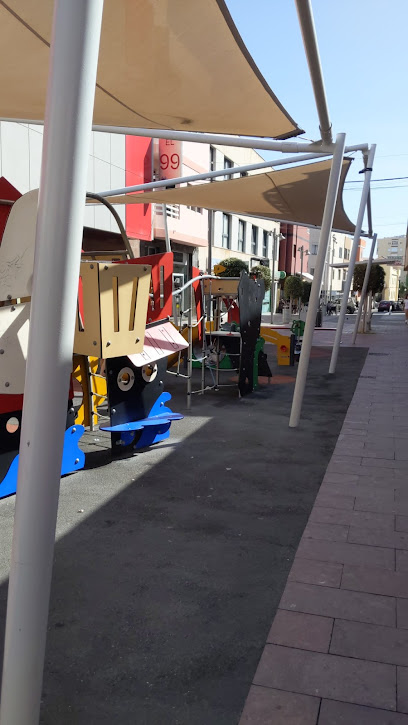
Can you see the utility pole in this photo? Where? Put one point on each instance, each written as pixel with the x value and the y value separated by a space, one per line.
pixel 273 289
pixel 275 239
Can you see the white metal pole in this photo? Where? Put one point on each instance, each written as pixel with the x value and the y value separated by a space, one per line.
pixel 307 26
pixel 331 271
pixel 190 346
pixel 275 238
pixel 326 273
pixel 213 138
pixel 352 260
pixel 328 214
pixel 70 99
pixel 364 289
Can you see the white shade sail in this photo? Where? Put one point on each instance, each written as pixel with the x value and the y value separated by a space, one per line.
pixel 173 64
pixel 295 194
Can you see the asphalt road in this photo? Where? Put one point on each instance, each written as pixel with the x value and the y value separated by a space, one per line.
pixel 169 565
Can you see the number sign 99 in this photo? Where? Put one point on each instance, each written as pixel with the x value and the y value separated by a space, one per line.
pixel 170 159
pixel 172 162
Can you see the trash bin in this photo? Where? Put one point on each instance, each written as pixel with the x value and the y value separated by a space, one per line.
pixel 319 318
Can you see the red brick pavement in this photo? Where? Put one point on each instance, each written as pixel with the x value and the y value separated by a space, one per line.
pixel 337 651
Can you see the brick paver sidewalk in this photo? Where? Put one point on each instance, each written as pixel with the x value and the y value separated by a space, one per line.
pixel 337 652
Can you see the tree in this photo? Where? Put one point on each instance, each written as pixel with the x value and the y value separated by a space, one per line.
pixel 376 280
pixel 233 267
pixel 307 287
pixel 265 273
pixel 293 289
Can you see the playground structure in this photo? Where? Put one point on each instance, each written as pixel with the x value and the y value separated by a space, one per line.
pixel 122 325
pixel 71 51
pixel 125 343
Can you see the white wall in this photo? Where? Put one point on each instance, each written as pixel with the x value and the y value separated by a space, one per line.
pixel 239 157
pixel 331 276
pixel 392 247
pixel 20 164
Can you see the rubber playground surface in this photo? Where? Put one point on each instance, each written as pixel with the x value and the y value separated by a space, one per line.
pixel 169 565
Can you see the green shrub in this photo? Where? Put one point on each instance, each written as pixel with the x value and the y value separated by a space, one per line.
pixel 264 273
pixel 233 267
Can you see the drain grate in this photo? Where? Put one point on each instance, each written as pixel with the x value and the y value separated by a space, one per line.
pixel 379 354
pixel 372 377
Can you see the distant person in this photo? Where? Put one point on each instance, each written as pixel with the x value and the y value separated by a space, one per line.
pixel 390 308
pixel 406 308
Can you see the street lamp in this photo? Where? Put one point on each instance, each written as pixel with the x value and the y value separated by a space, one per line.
pixel 275 238
pixel 305 252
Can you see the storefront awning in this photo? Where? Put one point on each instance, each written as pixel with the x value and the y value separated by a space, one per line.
pixel 295 195
pixel 173 64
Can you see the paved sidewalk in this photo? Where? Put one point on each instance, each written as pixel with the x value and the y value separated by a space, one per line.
pixel 337 652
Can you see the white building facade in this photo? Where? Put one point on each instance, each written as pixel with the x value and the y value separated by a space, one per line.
pixel 112 165
pixel 20 164
pixel 234 235
pixel 392 247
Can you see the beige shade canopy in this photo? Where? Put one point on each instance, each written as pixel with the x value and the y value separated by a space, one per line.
pixel 173 64
pixel 294 195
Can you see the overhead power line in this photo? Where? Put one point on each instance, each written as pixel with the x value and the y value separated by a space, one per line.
pixel 361 181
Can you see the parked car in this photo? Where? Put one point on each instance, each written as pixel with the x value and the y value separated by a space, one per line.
pixel 351 305
pixel 384 306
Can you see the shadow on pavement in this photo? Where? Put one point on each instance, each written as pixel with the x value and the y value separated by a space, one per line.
pixel 162 598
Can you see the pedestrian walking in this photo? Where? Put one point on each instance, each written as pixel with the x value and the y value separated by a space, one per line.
pixel 406 308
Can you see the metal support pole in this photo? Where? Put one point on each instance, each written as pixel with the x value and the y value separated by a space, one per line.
pixel 211 215
pixel 190 346
pixel 273 289
pixel 73 64
pixel 327 272
pixel 203 331
pixel 307 26
pixel 170 183
pixel 331 271
pixel 327 221
pixel 364 290
pixel 368 312
pixel 252 142
pixel 210 240
pixel 352 260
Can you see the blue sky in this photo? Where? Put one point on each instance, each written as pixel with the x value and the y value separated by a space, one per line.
pixel 363 50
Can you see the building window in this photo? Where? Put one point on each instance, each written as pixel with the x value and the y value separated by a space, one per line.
pixel 254 240
pixel 265 243
pixel 314 249
pixel 312 269
pixel 213 163
pixel 226 231
pixel 294 250
pixel 339 274
pixel 344 275
pixel 340 251
pixel 241 236
pixel 228 165
pixel 212 158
